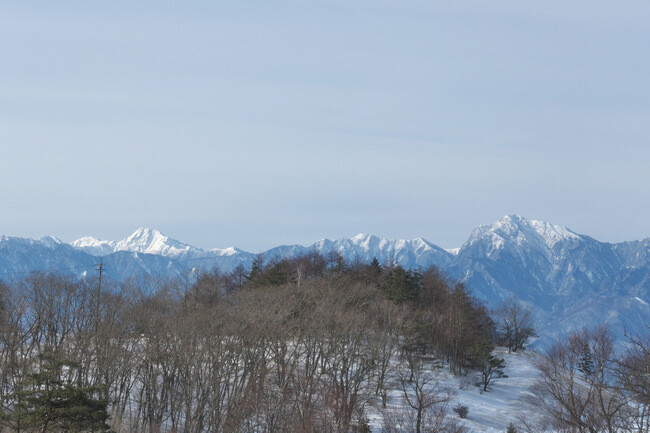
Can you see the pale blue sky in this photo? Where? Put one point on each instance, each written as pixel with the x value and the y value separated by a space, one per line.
pixel 255 123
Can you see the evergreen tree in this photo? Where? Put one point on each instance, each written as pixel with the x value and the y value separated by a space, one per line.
pixel 371 273
pixel 401 285
pixel 340 265
pixel 49 401
pixel 488 365
pixel 586 363
pixel 256 267
pixel 274 274
pixel 375 266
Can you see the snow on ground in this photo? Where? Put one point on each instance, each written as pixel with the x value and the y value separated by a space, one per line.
pixel 489 411
pixel 492 411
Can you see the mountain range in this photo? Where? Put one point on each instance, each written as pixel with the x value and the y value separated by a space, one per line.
pixel 571 280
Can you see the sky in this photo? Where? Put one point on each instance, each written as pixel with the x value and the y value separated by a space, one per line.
pixel 256 123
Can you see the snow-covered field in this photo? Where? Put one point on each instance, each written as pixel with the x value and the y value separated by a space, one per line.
pixel 490 411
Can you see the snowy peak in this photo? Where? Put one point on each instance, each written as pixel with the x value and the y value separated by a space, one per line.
pixel 511 230
pixel 143 240
pixel 366 242
pixel 150 241
pixel 517 230
pixel 94 246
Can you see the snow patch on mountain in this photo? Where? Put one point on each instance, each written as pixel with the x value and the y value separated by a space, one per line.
pixel 552 234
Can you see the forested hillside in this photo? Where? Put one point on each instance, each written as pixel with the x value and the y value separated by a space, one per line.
pixel 310 344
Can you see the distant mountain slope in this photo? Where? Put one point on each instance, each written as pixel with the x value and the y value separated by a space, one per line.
pixel 19 256
pixel 124 264
pixel 571 279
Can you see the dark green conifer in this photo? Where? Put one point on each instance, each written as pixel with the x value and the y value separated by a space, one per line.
pixel 586 363
pixel 49 401
pixel 401 285
pixel 488 365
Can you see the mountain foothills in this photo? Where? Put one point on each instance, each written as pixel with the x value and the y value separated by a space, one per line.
pixel 571 280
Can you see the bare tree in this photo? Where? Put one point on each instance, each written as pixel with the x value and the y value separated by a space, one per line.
pixel 387 342
pixel 514 324
pixel 294 345
pixel 575 398
pixel 425 403
pixel 633 373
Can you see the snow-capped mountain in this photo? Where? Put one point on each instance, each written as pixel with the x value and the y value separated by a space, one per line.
pixel 569 278
pixel 150 241
pixel 94 246
pixel 143 240
pixel 362 248
pixel 411 253
pixel 532 259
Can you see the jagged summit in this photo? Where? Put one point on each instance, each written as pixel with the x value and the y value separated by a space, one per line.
pixel 151 241
pixel 410 253
pixel 519 230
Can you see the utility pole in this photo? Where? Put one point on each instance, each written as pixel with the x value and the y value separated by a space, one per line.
pixel 100 268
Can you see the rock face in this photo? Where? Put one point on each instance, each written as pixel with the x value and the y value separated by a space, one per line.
pixel 571 280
